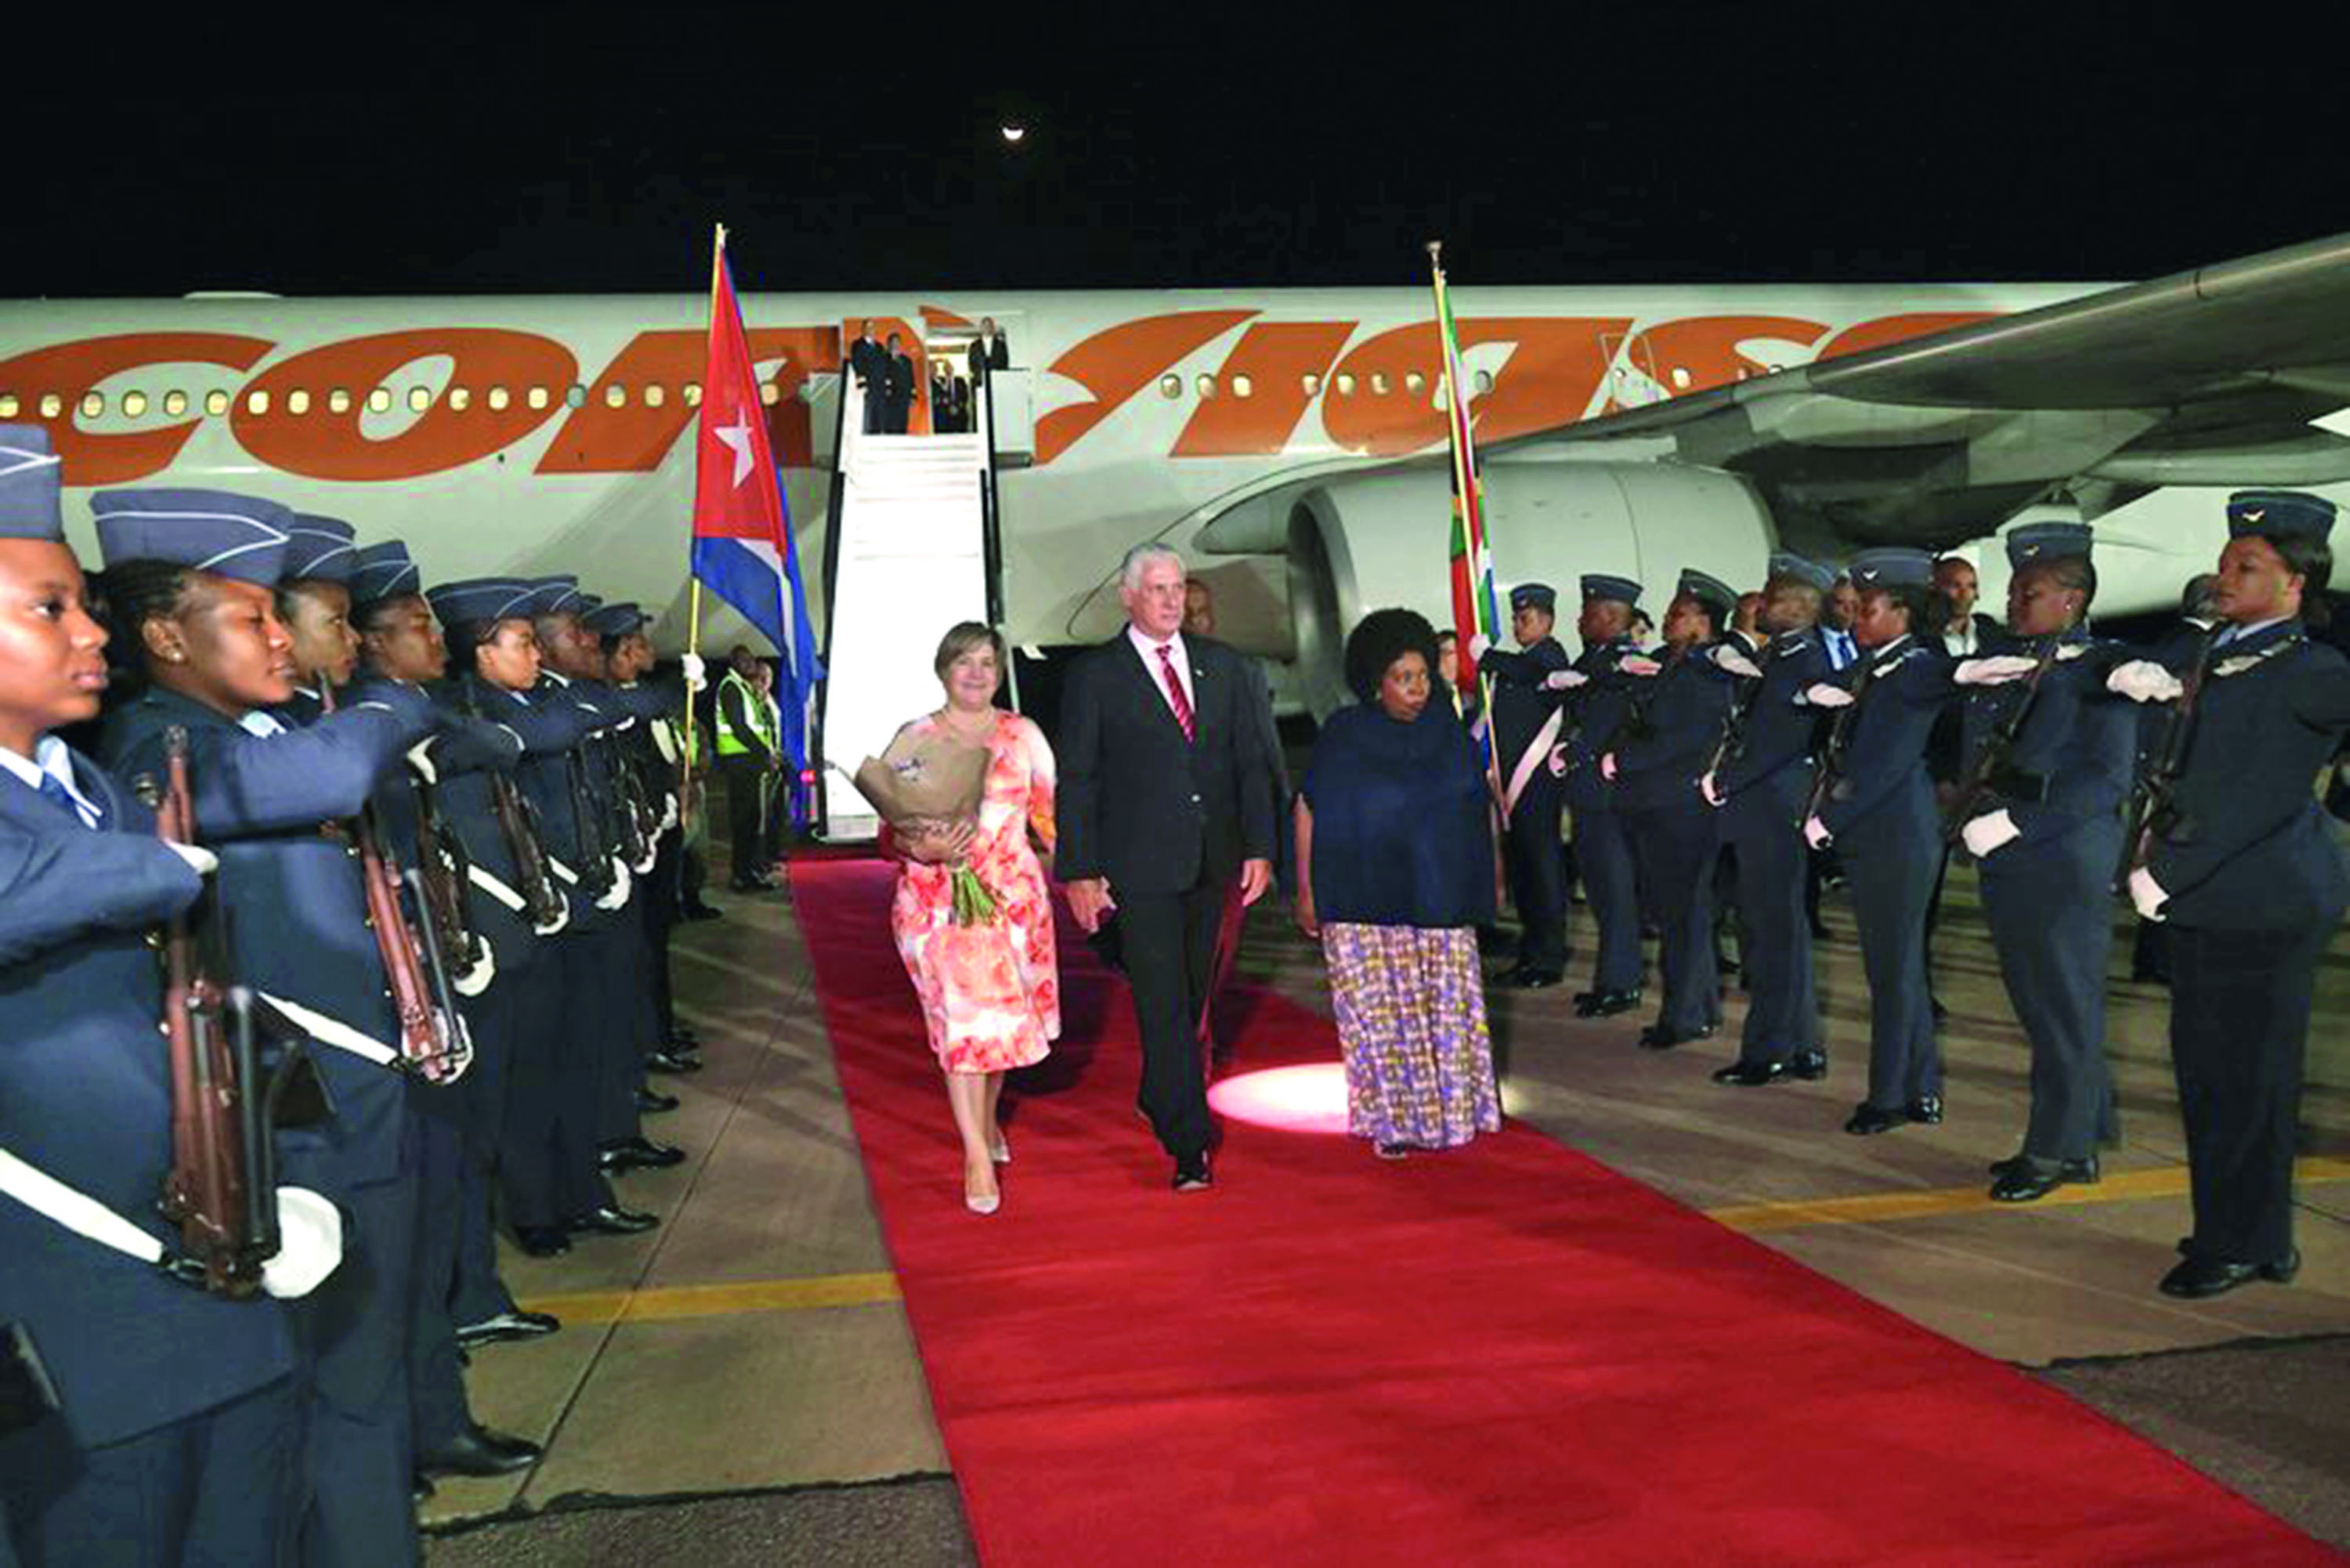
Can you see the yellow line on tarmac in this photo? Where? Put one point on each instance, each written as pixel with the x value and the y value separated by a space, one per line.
pixel 717 1301
pixel 1877 1208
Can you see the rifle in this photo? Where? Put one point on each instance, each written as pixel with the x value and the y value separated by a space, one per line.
pixel 1637 726
pixel 518 827
pixel 444 884
pixel 1828 777
pixel 1743 695
pixel 595 858
pixel 1983 781
pixel 221 1191
pixel 2150 799
pixel 433 1044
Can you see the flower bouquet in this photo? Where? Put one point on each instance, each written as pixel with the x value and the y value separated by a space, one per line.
pixel 922 782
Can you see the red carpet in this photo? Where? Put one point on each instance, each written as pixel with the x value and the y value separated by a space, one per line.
pixel 1505 1354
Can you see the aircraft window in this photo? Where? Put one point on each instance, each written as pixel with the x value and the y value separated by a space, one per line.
pixel 1207 386
pixel 1345 383
pixel 339 401
pixel 8 405
pixel 1242 386
pixel 1171 387
pixel 216 403
pixel 498 397
pixel 1380 383
pixel 1680 378
pixel 1484 382
pixel 655 394
pixel 51 405
pixel 175 404
pixel 297 402
pixel 420 398
pixel 256 402
pixel 537 398
pixel 615 396
pixel 134 404
pixel 93 404
pixel 380 400
pixel 770 393
pixel 460 398
pixel 693 394
pixel 1311 382
pixel 1414 382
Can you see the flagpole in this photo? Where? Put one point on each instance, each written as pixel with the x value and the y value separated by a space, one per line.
pixel 694 614
pixel 1463 477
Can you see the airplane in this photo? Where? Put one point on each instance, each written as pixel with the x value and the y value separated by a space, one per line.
pixel 1288 443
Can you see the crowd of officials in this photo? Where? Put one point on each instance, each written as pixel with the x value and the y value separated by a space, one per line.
pixel 409 852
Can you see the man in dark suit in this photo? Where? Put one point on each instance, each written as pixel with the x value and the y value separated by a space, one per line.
pixel 869 363
pixel 989 352
pixel 896 381
pixel 1160 812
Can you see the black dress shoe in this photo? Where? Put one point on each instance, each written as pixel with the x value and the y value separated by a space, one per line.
pixel 478 1451
pixel 2024 1179
pixel 610 1220
pixel 2083 1171
pixel 1926 1110
pixel 1750 1075
pixel 1811 1066
pixel 667 1061
pixel 702 912
pixel 544 1240
pixel 1535 978
pixel 420 1488
pixel 653 1103
pixel 1191 1174
pixel 1941 1012
pixel 1657 1037
pixel 1867 1119
pixel 638 1153
pixel 2197 1277
pixel 1605 1003
pixel 508 1325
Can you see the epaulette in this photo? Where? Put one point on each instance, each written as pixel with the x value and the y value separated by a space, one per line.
pixel 2240 663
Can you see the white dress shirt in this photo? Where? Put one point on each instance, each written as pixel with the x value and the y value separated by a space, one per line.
pixel 1148 652
pixel 50 757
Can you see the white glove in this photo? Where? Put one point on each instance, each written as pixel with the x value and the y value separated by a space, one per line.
pixel 309 1244
pixel 1607 766
pixel 420 757
pixel 1989 832
pixel 1996 671
pixel 1480 645
pixel 1815 833
pixel 1637 664
pixel 1728 657
pixel 562 918
pixel 485 969
pixel 668 814
pixel 2072 650
pixel 696 672
pixel 2143 680
pixel 201 861
pixel 1710 788
pixel 1822 695
pixel 2147 894
pixel 1558 761
pixel 619 895
pixel 1565 679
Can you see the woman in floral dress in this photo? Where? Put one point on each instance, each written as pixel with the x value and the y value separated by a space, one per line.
pixel 991 991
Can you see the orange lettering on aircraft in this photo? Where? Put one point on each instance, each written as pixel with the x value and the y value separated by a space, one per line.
pixel 71 369
pixel 632 438
pixel 1276 357
pixel 1707 347
pixel 1863 336
pixel 1549 381
pixel 1116 364
pixel 325 444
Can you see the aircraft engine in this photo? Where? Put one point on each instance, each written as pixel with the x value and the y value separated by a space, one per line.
pixel 1356 544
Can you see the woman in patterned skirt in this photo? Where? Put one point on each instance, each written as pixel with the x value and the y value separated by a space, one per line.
pixel 991 991
pixel 1394 873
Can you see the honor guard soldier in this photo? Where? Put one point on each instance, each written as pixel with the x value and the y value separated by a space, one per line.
pixel 314 600
pixel 1758 781
pixel 1665 746
pixel 2047 767
pixel 1872 798
pixel 1610 882
pixel 160 1421
pixel 2231 855
pixel 1527 712
pixel 189 584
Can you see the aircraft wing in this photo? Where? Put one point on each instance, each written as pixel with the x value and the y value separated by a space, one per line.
pixel 2210 377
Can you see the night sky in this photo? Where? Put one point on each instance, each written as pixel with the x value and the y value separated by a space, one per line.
pixel 504 161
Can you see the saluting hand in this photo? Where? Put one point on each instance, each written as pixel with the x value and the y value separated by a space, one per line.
pixel 2143 680
pixel 1821 694
pixel 1565 679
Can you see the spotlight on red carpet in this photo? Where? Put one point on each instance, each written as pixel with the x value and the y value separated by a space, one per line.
pixel 1308 1099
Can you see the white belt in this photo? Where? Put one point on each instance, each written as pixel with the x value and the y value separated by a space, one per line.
pixel 497 890
pixel 334 1032
pixel 1535 755
pixel 77 1211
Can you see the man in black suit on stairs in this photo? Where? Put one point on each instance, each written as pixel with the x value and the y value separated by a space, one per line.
pixel 1160 753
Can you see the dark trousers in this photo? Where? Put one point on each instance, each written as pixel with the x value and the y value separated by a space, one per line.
pixel 1168 943
pixel 744 776
pixel 535 1142
pixel 587 1024
pixel 1890 862
pixel 660 900
pixel 1676 845
pixel 436 1385
pixel 218 1489
pixel 1611 888
pixel 494 1023
pixel 1537 879
pixel 2239 1031
pixel 1774 934
pixel 616 977
pixel 2050 909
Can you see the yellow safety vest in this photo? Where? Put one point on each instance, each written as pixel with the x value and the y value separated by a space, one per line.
pixel 756 710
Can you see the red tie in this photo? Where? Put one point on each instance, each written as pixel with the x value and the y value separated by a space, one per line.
pixel 1182 703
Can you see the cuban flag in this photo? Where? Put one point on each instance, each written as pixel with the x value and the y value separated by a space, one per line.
pixel 743 549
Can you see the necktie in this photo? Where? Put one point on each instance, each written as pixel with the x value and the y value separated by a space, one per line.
pixel 56 794
pixel 1175 697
